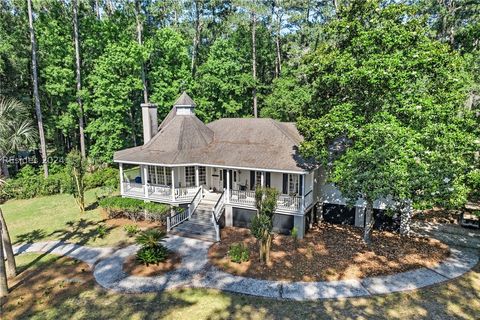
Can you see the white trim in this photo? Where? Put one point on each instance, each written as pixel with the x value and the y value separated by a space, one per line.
pixel 121 178
pixel 212 166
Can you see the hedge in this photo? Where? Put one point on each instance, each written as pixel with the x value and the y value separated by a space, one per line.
pixel 135 209
pixel 30 183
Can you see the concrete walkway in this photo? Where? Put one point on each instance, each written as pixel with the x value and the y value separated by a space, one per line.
pixel 195 271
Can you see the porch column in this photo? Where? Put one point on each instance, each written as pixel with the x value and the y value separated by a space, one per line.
pixel 227 191
pixel 145 180
pixel 121 178
pixel 197 178
pixel 302 204
pixel 173 184
pixel 262 179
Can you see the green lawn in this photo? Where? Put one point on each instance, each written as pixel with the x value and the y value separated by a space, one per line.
pixel 50 287
pixel 59 288
pixel 58 217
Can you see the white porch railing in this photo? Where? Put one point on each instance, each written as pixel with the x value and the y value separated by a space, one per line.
pixel 178 218
pixel 284 202
pixel 159 193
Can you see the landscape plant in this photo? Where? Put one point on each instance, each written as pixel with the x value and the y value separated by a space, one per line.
pixel 262 222
pixel 76 167
pixel 152 251
pixel 238 253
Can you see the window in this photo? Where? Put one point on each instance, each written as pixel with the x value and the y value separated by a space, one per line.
pixel 168 176
pixel 258 178
pixel 202 175
pixel 234 176
pixel 293 184
pixel 152 174
pixel 161 176
pixel 190 176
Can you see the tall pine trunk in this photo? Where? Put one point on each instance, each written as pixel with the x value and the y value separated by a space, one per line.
pixel 140 43
pixel 254 63
pixel 196 38
pixel 38 109
pixel 7 243
pixel 3 275
pixel 369 221
pixel 81 124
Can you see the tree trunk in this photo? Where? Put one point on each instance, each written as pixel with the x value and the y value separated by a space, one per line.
pixel 81 124
pixel 196 38
pixel 140 43
pixel 38 109
pixel 405 218
pixel 4 167
pixel 97 10
pixel 254 63
pixel 11 266
pixel 3 275
pixel 336 3
pixel 369 221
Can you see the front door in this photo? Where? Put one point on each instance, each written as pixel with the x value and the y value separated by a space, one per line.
pixel 224 178
pixel 235 178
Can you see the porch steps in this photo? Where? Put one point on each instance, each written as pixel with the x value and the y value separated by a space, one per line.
pixel 200 225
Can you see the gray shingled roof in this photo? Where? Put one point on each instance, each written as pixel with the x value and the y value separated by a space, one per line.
pixel 237 142
pixel 184 100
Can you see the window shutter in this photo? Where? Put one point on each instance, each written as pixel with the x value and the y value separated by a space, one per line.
pixel 267 179
pixel 252 180
pixel 285 184
pixel 224 172
pixel 300 187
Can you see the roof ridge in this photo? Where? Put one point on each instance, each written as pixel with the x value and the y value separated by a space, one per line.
pixel 287 134
pixel 180 140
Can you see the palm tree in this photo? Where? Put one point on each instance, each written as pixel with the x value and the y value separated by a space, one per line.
pixel 16 128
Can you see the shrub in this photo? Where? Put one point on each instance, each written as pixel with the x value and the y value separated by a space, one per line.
pixel 149 256
pixel 131 229
pixel 134 208
pixel 102 177
pixel 294 233
pixel 101 231
pixel 238 253
pixel 152 250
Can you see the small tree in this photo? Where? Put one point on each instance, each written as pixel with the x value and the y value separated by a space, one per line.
pixel 262 223
pixel 76 167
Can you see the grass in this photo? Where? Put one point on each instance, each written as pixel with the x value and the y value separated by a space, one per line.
pixel 58 218
pixel 51 287
pixel 62 288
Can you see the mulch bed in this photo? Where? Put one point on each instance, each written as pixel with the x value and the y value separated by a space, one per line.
pixel 438 215
pixel 329 252
pixel 135 268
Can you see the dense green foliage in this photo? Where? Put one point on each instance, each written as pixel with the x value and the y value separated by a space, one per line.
pixel 135 208
pixel 341 69
pixel 262 223
pixel 30 183
pixel 75 168
pixel 152 251
pixel 238 253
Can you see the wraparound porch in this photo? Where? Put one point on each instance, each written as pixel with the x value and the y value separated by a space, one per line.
pixel 179 185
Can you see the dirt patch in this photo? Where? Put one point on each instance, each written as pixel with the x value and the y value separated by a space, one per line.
pixel 329 252
pixel 51 283
pixel 135 268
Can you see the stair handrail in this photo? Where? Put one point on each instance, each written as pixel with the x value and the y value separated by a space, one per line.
pixel 217 208
pixel 179 217
pixel 195 201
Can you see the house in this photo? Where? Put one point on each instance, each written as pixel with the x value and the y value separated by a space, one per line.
pixel 212 171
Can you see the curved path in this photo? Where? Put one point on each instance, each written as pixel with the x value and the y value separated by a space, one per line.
pixel 195 271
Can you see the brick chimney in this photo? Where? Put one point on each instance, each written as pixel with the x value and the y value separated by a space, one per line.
pixel 149 120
